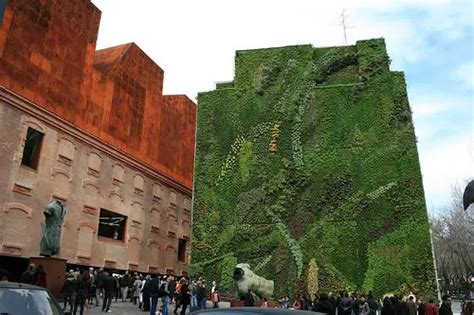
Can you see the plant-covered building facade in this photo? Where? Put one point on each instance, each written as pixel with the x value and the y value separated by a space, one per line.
pixel 307 169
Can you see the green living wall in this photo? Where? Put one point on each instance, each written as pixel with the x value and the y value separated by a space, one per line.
pixel 307 169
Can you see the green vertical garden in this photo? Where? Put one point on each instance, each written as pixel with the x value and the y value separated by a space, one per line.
pixel 307 169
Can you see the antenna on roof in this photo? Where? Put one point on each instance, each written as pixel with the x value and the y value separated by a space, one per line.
pixel 344 26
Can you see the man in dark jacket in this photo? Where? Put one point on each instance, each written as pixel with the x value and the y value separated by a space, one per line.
pixel 99 284
pixel 81 293
pixel 124 284
pixel 332 300
pixel 30 275
pixel 412 307
pixel 201 293
pixel 345 306
pixel 146 291
pixel 68 290
pixel 323 305
pixel 445 308
pixel 421 307
pixel 374 305
pixel 397 306
pixel 109 291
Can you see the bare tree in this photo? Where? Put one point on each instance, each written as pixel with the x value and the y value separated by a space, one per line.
pixel 453 240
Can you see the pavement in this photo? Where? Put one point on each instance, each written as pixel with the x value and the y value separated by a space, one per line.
pixel 125 308
pixel 122 308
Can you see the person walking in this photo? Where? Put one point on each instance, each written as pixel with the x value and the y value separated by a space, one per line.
pixel 154 289
pixel 164 293
pixel 192 289
pixel 387 307
pixel 201 294
pixel 99 284
pixel 323 305
pixel 140 297
pixel 81 292
pixel 136 289
pixel 412 309
pixel 298 302
pixel 445 308
pixel 215 295
pixel 68 291
pixel 185 296
pixel 364 308
pixel 124 284
pixel 177 296
pixel 397 306
pixel 109 291
pixel 171 288
pixel 91 287
pixel 29 276
pixel 117 286
pixel 146 292
pixel 373 304
pixel 421 307
pixel 430 308
pixel 345 307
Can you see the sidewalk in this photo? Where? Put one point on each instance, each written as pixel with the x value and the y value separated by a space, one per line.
pixel 123 308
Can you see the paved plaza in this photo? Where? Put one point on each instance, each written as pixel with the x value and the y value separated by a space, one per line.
pixel 123 308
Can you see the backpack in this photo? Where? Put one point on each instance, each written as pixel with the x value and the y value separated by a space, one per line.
pixel 162 290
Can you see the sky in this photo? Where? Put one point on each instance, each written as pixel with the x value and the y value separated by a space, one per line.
pixel 432 41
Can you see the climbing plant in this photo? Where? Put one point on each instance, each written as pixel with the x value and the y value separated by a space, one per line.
pixel 307 169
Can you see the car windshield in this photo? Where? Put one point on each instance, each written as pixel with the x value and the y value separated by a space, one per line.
pixel 27 301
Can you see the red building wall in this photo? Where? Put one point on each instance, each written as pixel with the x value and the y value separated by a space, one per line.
pixel 47 55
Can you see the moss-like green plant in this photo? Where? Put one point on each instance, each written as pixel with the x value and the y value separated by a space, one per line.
pixel 308 158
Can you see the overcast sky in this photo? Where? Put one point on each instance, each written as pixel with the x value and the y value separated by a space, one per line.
pixel 430 40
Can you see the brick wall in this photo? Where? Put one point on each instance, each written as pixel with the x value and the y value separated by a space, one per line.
pixel 86 178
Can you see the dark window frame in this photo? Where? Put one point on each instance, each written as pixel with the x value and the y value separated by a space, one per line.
pixel 182 250
pixel 32 147
pixel 106 231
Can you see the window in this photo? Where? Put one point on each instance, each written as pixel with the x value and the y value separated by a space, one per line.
pixel 118 172
pixel 112 225
pixel 66 151
pixel 139 183
pixel 182 250
pixel 32 149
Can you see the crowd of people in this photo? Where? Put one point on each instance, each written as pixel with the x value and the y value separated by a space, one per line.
pixel 360 304
pixel 85 288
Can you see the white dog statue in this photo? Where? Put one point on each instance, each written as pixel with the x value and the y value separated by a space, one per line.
pixel 245 280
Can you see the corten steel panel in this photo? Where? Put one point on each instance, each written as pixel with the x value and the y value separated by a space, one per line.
pixel 47 55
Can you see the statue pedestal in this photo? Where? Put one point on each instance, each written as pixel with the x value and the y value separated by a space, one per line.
pixel 55 269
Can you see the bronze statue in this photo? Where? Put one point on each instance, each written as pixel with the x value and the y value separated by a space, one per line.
pixel 51 241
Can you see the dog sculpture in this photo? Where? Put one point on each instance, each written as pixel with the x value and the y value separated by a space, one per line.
pixel 245 280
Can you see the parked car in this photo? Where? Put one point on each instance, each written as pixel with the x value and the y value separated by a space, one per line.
pixel 25 299
pixel 251 311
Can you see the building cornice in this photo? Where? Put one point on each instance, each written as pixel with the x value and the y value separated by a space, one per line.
pixel 53 120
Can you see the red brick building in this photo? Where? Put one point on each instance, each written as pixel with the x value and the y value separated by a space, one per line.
pixel 94 130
